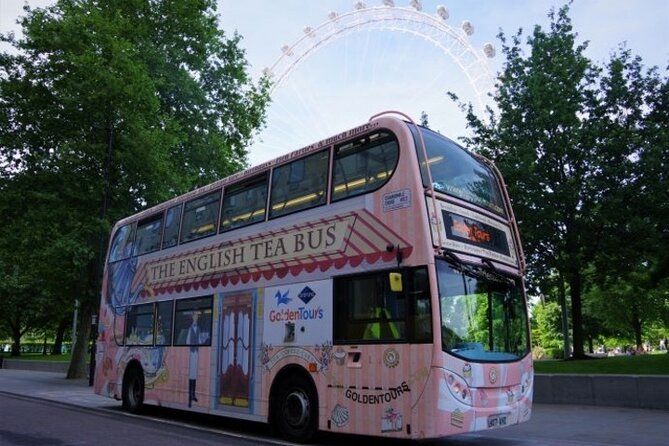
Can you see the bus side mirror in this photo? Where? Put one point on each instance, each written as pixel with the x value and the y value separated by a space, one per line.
pixel 395 282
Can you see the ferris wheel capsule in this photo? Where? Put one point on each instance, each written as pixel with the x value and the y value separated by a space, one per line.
pixel 489 50
pixel 333 15
pixel 388 3
pixel 415 4
pixel 359 6
pixel 442 12
pixel 467 27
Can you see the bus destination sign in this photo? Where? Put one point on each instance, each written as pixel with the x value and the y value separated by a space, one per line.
pixel 475 233
pixel 469 232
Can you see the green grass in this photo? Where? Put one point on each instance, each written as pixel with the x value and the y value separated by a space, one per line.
pixel 39 357
pixel 621 365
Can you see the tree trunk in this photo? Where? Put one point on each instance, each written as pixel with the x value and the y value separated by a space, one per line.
pixel 77 367
pixel 60 335
pixel 16 341
pixel 636 325
pixel 576 313
pixel 565 318
pixel 590 347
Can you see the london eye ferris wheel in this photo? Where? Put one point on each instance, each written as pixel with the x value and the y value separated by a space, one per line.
pixel 336 74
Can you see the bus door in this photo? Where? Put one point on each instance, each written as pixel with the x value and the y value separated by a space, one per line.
pixel 377 315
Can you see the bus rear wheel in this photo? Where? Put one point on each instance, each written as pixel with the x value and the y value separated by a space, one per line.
pixel 133 390
pixel 295 409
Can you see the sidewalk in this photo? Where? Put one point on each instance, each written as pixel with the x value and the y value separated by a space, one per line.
pixel 53 387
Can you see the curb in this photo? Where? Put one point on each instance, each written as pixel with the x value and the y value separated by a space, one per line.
pixel 634 391
pixel 36 365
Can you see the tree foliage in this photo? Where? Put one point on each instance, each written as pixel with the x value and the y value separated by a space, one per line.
pixel 107 107
pixel 547 327
pixel 579 146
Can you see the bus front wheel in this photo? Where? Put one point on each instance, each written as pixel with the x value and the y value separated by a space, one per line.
pixel 295 409
pixel 133 389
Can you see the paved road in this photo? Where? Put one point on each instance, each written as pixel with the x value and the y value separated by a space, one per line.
pixel 26 421
pixel 44 409
pixel 30 422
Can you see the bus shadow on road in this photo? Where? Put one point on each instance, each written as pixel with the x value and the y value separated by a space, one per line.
pixel 257 431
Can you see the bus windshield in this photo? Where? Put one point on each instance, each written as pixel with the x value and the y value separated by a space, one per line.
pixel 483 316
pixel 456 172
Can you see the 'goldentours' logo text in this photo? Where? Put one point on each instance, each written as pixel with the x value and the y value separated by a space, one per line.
pixel 301 314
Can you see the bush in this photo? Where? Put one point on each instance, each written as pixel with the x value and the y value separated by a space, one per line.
pixel 555 353
pixel 538 353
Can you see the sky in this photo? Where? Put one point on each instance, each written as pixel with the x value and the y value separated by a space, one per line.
pixel 344 80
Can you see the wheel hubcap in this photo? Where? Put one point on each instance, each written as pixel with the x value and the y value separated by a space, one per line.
pixel 296 408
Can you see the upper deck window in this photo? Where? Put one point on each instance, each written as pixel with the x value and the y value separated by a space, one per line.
pixel 364 165
pixel 456 172
pixel 148 235
pixel 121 246
pixel 172 222
pixel 244 204
pixel 200 217
pixel 300 184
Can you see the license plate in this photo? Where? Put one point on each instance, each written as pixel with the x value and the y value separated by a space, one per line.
pixel 499 420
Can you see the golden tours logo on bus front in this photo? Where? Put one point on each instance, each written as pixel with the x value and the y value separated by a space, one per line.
pixel 307 241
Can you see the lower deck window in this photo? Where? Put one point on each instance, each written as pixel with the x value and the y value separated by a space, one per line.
pixel 367 310
pixel 164 322
pixel 192 321
pixel 139 325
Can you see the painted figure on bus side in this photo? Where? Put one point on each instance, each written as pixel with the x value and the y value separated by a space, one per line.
pixel 193 340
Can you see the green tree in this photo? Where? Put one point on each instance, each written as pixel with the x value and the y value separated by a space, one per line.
pixel 632 208
pixel 567 136
pixel 127 103
pixel 536 140
pixel 547 332
pixel 24 301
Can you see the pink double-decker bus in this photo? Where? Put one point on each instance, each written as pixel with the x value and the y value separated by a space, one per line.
pixel 370 283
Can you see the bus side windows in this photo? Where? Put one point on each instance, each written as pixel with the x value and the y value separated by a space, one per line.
pixel 121 247
pixel 367 310
pixel 148 235
pixel 300 184
pixel 193 321
pixel 244 204
pixel 172 221
pixel 200 217
pixel 139 325
pixel 164 322
pixel 364 165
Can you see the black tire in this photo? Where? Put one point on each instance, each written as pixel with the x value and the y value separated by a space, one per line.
pixel 133 390
pixel 295 409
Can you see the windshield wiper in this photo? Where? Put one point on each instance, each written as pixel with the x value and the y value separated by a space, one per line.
pixel 451 256
pixel 486 261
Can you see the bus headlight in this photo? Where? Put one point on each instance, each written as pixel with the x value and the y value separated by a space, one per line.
pixel 458 388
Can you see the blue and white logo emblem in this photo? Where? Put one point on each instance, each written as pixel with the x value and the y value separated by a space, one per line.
pixel 306 295
pixel 282 298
